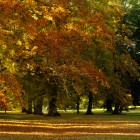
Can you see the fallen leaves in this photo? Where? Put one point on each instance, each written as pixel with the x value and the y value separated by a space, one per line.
pixel 76 128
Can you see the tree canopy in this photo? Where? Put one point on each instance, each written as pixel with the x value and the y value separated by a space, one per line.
pixel 58 42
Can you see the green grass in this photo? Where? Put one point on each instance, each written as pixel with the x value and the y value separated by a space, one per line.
pixel 128 116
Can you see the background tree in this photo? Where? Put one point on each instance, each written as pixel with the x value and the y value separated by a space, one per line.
pixel 121 71
pixel 132 20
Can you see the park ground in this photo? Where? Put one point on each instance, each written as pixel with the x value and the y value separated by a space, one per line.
pixel 70 126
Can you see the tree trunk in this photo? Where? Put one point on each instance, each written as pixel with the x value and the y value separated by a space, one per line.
pixel 109 105
pixel 38 106
pixel 116 110
pixel 24 109
pixel 52 110
pixel 78 104
pixel 29 109
pixel 5 110
pixel 90 101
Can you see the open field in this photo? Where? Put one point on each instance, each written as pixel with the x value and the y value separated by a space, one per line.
pixel 18 126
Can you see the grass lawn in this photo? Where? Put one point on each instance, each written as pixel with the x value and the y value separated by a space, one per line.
pixel 70 126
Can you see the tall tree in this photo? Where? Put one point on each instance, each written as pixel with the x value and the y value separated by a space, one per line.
pixel 52 35
pixel 132 20
pixel 122 72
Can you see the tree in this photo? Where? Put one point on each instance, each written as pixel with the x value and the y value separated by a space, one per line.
pixel 56 36
pixel 123 69
pixel 131 20
pixel 10 91
pixel 35 89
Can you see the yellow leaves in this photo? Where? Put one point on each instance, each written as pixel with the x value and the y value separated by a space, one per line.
pixel 2 48
pixel 74 69
pixel 19 42
pixel 58 10
pixel 34 49
pixel 5 32
pixel 10 65
pixel 59 14
pixel 1 94
pixel 48 17
pixel 30 2
pixel 38 12
pixel 29 52
pixel 70 26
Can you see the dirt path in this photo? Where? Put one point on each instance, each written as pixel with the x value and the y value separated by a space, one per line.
pixel 74 128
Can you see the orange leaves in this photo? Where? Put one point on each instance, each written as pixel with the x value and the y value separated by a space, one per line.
pixel 31 31
pixel 84 73
pixel 3 101
pixel 10 89
pixel 9 81
pixel 101 31
pixel 7 7
pixel 57 10
pixel 11 9
pixel 56 34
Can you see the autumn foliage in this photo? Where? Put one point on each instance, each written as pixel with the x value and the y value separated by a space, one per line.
pixel 37 36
